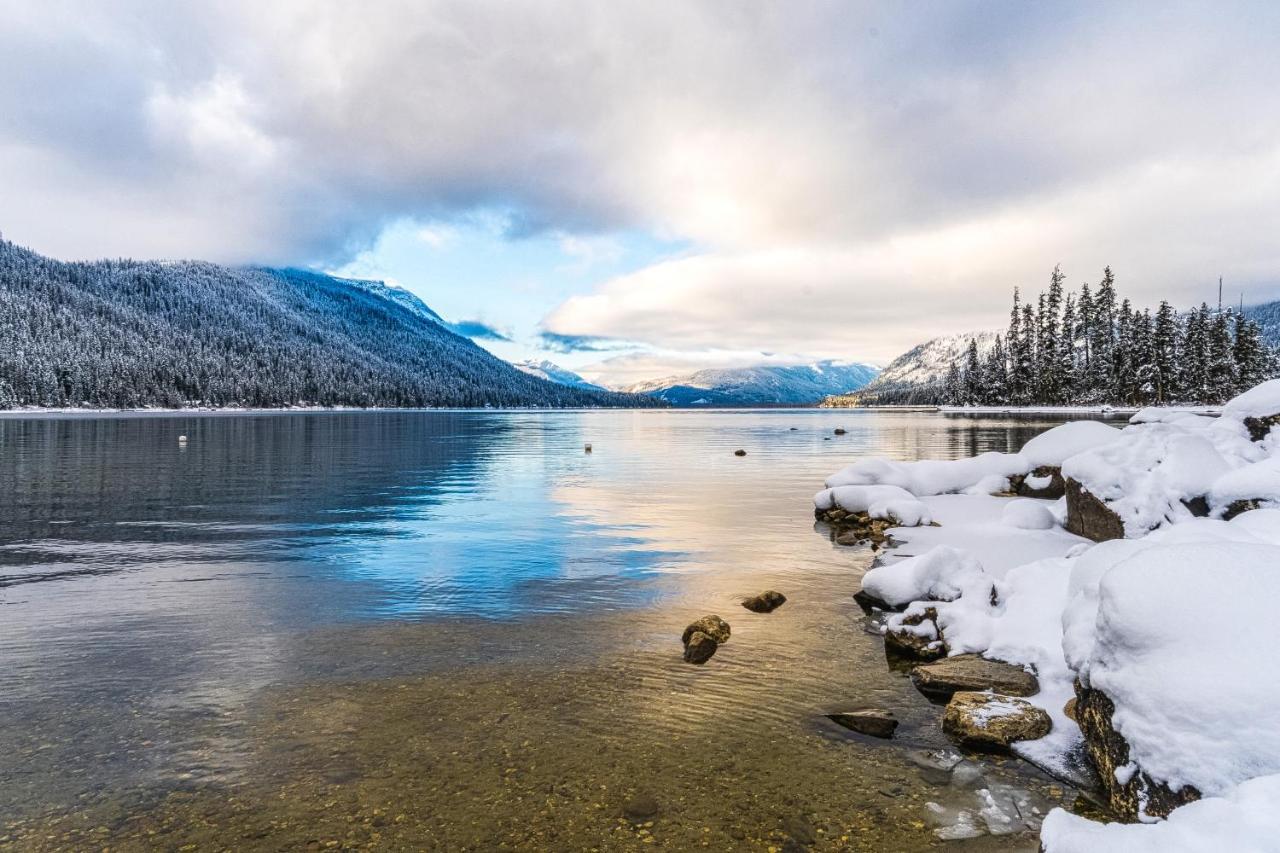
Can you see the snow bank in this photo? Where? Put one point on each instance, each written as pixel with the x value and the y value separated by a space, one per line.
pixel 1175 624
pixel 889 502
pixel 1244 820
pixel 1258 402
pixel 1184 645
pixel 986 473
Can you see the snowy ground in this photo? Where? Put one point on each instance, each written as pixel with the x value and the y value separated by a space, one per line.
pixel 1174 623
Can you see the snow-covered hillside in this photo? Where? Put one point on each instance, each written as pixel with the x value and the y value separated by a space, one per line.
pixel 765 385
pixel 924 366
pixel 1267 316
pixel 553 372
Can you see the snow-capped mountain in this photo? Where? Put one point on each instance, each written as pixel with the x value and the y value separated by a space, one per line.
pixel 128 334
pixel 923 365
pixel 553 372
pixel 1267 316
pixel 765 385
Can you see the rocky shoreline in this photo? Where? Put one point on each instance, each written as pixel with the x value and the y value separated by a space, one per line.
pixel 975 627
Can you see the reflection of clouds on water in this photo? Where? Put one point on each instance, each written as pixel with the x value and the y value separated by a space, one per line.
pixel 147 591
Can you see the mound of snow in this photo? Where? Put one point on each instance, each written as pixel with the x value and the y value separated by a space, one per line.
pixel 1258 402
pixel 1244 820
pixel 1027 515
pixel 941 574
pixel 889 502
pixel 1062 442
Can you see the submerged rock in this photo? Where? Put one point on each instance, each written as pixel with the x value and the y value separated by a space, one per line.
pixel 873 722
pixel 1089 516
pixel 1130 791
pixel 699 648
pixel 972 673
pixel 765 602
pixel 642 806
pixel 993 722
pixel 711 625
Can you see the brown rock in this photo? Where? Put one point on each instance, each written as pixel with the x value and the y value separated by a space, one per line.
pixel 641 807
pixel 1056 488
pixel 838 431
pixel 973 673
pixel 922 643
pixel 1089 516
pixel 765 602
pixel 739 452
pixel 1069 709
pixel 699 648
pixel 1259 428
pixel 873 722
pixel 1109 751
pixel 992 722
pixel 711 625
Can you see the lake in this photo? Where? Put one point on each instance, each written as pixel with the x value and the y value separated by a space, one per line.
pixel 457 630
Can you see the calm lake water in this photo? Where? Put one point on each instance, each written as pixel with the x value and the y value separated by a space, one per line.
pixel 454 630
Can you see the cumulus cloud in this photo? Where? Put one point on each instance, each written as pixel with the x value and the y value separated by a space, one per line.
pixel 840 169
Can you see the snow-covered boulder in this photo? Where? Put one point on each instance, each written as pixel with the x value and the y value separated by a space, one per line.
pixel 1258 409
pixel 1179 690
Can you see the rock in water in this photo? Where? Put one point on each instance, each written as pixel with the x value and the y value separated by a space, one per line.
pixel 711 625
pixel 765 602
pixel 875 723
pixel 973 673
pixel 992 722
pixel 915 636
pixel 641 807
pixel 839 430
pixel 699 648
pixel 739 452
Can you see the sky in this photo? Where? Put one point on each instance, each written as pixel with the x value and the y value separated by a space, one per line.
pixel 635 189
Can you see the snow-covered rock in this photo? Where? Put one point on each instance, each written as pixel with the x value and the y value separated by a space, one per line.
pixel 1169 633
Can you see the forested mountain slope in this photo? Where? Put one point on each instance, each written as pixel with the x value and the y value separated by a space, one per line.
pixel 124 334
pixel 765 385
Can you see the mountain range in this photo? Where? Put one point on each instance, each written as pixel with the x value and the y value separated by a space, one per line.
pixel 916 371
pixel 130 334
pixel 797 385
pixel 553 372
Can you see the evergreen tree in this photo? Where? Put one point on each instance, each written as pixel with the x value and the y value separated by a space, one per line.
pixel 974 384
pixel 1221 375
pixel 1164 353
pixel 1026 356
pixel 1015 388
pixel 1142 359
pixel 1249 354
pixel 1193 366
pixel 1084 334
pixel 995 374
pixel 1102 340
pixel 1066 368
pixel 953 386
pixel 1121 386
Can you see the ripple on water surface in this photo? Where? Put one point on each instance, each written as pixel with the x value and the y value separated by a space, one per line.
pixel 312 605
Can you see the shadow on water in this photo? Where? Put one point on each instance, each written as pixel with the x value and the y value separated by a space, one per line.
pixel 444 629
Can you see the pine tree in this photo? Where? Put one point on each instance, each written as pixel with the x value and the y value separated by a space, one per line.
pixel 1142 359
pixel 953 385
pixel 1026 356
pixel 1102 342
pixel 1164 353
pixel 1121 386
pixel 1222 380
pixel 1067 352
pixel 1250 355
pixel 1084 334
pixel 1193 365
pixel 1015 387
pixel 995 374
pixel 974 384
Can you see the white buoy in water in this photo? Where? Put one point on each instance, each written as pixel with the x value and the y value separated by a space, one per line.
pixel 182 439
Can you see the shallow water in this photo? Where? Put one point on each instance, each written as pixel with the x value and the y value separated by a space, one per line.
pixel 454 630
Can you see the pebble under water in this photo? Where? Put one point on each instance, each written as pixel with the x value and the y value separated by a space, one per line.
pixel 459 631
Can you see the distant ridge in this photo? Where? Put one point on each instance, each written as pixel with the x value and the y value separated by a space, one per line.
pixel 553 372
pixel 798 385
pixel 913 377
pixel 134 334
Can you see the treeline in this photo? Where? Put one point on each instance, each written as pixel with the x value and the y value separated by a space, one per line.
pixel 1092 348
pixel 132 334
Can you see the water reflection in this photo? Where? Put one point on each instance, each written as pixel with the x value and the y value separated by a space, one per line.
pixel 149 589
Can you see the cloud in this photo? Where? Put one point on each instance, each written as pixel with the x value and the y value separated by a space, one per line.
pixel 578 343
pixel 850 177
pixel 478 330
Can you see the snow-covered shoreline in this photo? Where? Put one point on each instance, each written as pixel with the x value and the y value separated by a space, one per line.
pixel 1152 650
